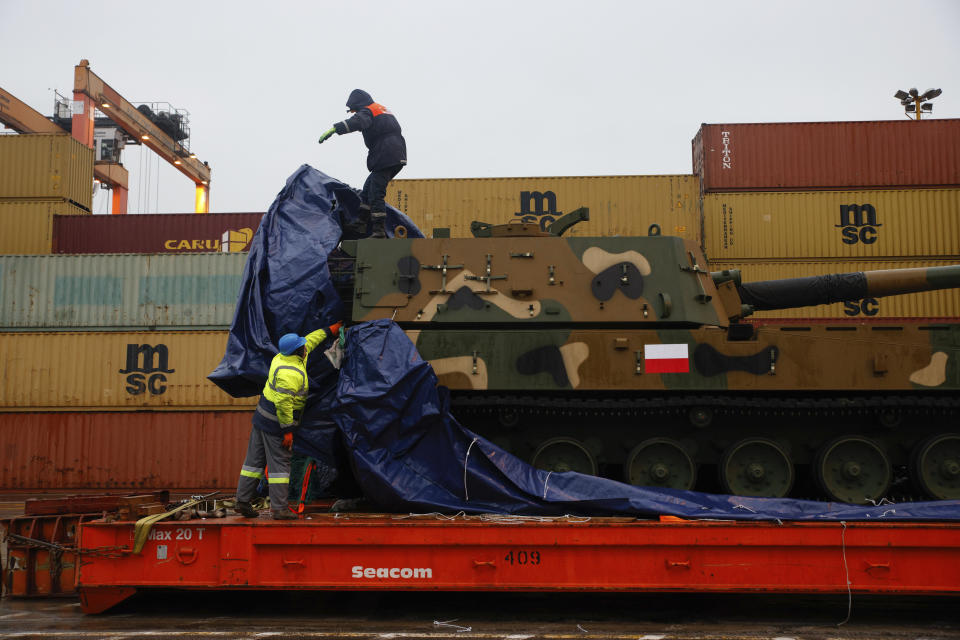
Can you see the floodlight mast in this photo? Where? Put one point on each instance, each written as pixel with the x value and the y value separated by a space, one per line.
pixel 912 99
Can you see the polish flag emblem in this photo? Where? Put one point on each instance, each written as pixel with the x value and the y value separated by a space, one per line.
pixel 666 358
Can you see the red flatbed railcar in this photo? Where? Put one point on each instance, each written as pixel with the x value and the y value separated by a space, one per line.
pixel 484 553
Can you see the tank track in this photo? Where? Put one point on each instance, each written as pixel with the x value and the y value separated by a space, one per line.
pixel 713 423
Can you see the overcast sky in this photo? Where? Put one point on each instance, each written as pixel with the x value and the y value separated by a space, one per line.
pixel 481 89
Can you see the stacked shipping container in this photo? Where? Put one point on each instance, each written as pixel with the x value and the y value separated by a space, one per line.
pixel 42 176
pixel 106 355
pixel 127 340
pixel 155 233
pixel 795 199
pixel 619 205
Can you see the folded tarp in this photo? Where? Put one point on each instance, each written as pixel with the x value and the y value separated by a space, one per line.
pixel 410 454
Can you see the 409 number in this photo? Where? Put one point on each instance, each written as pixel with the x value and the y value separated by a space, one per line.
pixel 522 557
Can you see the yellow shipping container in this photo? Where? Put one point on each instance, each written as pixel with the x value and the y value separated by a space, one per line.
pixel 619 205
pixel 944 303
pixel 27 227
pixel 42 166
pixel 832 224
pixel 109 371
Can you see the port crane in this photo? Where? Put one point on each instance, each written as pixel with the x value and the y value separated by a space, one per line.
pixel 92 94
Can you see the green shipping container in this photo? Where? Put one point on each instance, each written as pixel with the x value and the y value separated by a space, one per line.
pixel 109 291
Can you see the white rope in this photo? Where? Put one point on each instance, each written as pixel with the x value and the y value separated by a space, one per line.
pixel 447 623
pixel 846 569
pixel 545 482
pixel 435 514
pixel 466 496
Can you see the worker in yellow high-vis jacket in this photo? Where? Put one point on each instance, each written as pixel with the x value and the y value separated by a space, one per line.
pixel 276 417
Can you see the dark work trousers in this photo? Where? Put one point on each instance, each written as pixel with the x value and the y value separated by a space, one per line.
pixel 375 188
pixel 265 449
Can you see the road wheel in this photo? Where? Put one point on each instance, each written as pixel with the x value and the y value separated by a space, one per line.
pixel 853 469
pixel 936 466
pixel 756 467
pixel 564 454
pixel 660 462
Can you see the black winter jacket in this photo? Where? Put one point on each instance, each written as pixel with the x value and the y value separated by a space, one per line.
pixel 381 131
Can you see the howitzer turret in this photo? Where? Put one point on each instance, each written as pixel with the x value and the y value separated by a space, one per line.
pixel 626 357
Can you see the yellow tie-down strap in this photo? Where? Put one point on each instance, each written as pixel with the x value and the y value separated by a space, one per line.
pixel 141 530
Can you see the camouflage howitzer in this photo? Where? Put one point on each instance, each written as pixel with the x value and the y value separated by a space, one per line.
pixel 626 357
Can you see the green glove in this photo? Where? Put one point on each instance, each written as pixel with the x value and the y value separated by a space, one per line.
pixel 326 134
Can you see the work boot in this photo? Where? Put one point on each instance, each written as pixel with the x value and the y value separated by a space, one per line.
pixel 246 510
pixel 379 218
pixel 286 514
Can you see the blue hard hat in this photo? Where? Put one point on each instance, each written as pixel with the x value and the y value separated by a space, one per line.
pixel 290 342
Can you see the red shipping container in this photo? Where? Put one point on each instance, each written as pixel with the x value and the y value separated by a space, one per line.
pixel 800 156
pixel 119 450
pixel 155 233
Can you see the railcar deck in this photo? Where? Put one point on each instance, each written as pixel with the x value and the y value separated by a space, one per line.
pixel 503 553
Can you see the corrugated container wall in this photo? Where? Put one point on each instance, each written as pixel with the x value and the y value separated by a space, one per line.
pixel 155 233
pixel 27 227
pixel 619 205
pixel 832 224
pixel 127 450
pixel 46 167
pixel 793 156
pixel 113 371
pixel 119 290
pixel 944 303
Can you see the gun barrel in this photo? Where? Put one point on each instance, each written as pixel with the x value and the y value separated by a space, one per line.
pixel 840 287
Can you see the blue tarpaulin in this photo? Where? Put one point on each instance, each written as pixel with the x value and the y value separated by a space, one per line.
pixel 410 454
pixel 406 449
pixel 287 287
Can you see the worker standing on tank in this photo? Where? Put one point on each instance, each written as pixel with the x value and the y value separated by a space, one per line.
pixel 276 417
pixel 387 154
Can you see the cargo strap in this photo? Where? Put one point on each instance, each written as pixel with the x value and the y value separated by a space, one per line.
pixel 304 486
pixel 141 531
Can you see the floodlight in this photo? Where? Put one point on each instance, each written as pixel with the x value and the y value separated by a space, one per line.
pixel 901 95
pixel 926 107
pixel 931 94
pixel 914 92
pixel 911 108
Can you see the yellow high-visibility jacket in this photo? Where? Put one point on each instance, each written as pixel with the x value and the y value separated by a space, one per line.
pixel 287 383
